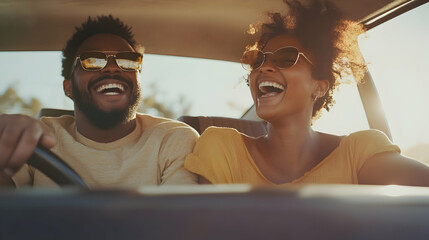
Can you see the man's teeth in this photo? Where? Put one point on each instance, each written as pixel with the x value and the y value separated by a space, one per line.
pixel 110 86
pixel 264 86
pixel 111 93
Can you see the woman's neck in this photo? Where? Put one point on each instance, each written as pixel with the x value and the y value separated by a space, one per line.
pixel 294 143
pixel 286 152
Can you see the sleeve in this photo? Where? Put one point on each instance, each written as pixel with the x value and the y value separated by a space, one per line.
pixel 177 143
pixel 24 176
pixel 365 144
pixel 210 157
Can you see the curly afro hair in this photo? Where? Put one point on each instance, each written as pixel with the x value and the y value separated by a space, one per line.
pixel 331 40
pixel 101 24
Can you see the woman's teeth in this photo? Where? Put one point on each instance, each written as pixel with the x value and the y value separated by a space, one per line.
pixel 270 87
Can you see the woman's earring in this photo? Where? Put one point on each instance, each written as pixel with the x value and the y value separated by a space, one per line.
pixel 315 97
pixel 247 79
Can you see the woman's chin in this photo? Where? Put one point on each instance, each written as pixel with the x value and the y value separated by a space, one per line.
pixel 266 114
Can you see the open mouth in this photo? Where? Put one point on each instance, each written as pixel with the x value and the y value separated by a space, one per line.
pixel 110 89
pixel 269 89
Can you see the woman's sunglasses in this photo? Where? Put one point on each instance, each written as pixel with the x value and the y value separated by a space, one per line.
pixel 97 60
pixel 284 57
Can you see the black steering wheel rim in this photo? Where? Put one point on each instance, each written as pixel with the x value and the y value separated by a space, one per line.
pixel 55 168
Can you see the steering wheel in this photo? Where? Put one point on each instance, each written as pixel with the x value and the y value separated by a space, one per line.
pixel 55 168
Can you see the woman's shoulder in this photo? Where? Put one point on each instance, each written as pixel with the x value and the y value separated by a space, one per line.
pixel 219 132
pixel 215 138
pixel 217 153
pixel 371 140
pixel 369 135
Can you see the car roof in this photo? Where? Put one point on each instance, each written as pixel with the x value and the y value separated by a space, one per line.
pixel 192 28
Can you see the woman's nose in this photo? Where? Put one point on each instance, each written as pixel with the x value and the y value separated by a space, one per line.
pixel 268 64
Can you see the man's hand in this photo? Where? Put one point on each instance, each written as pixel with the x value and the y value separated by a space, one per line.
pixel 19 135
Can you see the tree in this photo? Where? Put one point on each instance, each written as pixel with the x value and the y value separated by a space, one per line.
pixel 11 102
pixel 155 104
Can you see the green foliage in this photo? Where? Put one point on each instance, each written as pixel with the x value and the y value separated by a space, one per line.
pixel 11 102
pixel 155 104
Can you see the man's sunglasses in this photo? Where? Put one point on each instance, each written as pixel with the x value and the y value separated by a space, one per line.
pixel 282 58
pixel 97 60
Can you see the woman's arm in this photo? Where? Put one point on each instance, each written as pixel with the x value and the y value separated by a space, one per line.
pixel 203 180
pixel 393 168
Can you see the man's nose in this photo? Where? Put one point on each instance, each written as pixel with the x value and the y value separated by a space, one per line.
pixel 111 65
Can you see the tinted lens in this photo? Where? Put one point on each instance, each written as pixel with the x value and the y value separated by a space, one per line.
pixel 285 57
pixel 252 59
pixel 93 60
pixel 129 60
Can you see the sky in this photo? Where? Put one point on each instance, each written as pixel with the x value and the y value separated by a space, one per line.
pixel 210 84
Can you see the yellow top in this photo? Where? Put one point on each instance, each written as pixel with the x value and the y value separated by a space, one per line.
pixel 153 154
pixel 221 156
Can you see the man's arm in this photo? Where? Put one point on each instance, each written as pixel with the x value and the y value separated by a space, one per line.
pixel 392 168
pixel 179 143
pixel 19 135
pixel 5 180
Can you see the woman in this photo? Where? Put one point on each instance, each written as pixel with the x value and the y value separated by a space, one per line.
pixel 294 67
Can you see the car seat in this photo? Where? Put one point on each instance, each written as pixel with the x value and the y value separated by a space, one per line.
pixel 53 112
pixel 248 127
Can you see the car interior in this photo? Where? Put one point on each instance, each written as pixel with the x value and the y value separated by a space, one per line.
pixel 214 30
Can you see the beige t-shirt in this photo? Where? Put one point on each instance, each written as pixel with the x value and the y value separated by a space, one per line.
pixel 153 154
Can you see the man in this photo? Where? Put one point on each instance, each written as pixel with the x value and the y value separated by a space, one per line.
pixel 106 142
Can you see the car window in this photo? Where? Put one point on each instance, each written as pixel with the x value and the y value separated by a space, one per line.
pixel 171 86
pixel 397 52
pixel 347 115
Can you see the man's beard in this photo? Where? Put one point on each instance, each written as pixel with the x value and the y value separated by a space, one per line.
pixel 102 119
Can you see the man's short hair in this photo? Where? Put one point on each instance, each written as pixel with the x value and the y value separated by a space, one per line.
pixel 101 24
